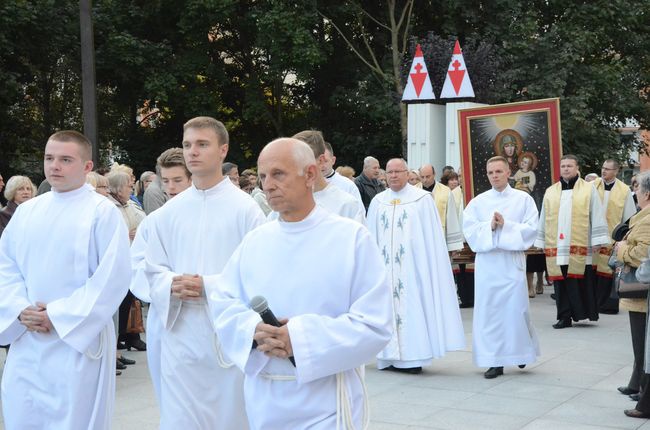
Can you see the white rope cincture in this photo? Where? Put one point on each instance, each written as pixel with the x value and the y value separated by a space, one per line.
pixel 344 419
pixel 221 360
pixel 278 377
pixel 100 350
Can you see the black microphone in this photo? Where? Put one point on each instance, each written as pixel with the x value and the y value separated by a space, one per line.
pixel 259 305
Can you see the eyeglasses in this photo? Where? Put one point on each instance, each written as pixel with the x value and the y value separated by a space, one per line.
pixel 606 168
pixel 396 172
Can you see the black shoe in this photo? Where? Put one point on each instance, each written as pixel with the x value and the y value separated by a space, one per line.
pixel 493 372
pixel 521 366
pixel 562 324
pixel 125 361
pixel 635 397
pixel 627 391
pixel 118 372
pixel 121 345
pixel 411 370
pixel 553 296
pixel 136 344
pixel 119 366
pixel 635 413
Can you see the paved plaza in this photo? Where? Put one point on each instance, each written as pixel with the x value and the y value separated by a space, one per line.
pixel 572 386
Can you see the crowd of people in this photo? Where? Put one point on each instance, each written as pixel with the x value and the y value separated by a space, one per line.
pixel 211 251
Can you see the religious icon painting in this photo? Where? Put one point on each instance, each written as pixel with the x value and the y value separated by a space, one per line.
pixel 527 134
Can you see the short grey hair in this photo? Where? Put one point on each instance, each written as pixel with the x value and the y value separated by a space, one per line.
pixel 146 175
pixel 369 159
pixel 117 180
pixel 16 182
pixel 643 179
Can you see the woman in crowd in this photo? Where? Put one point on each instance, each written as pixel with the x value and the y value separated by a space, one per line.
pixel 414 179
pixel 382 178
pixel 451 180
pixel 631 251
pixel 99 182
pixel 140 186
pixel 120 187
pixel 117 167
pixel 346 171
pixel 19 189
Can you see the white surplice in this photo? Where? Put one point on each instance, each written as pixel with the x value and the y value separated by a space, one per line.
pixel 70 251
pixel 336 201
pixel 338 319
pixel 140 288
pixel 598 231
pixel 427 321
pixel 195 233
pixel 349 187
pixel 453 230
pixel 502 333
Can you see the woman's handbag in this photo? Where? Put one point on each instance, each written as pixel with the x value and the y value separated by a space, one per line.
pixel 627 286
pixel 135 323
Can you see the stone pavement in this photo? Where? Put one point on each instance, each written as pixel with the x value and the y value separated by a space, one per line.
pixel 572 386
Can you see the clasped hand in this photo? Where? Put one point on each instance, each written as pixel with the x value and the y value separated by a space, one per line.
pixel 274 341
pixel 497 221
pixel 35 318
pixel 187 287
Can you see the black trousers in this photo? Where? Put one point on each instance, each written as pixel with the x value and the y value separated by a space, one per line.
pixel 575 298
pixel 123 319
pixel 465 286
pixel 637 330
pixel 606 303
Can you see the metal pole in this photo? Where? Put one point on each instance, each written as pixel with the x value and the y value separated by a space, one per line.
pixel 88 76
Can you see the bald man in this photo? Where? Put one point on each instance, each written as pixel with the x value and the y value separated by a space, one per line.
pixel 333 321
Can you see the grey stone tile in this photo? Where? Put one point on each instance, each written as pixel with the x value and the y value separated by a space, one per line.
pixel 522 388
pixel 506 405
pixel 456 419
pixel 544 424
pixel 401 413
pixel 581 413
pixel 424 396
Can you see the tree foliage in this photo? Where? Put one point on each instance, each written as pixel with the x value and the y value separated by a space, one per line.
pixel 272 67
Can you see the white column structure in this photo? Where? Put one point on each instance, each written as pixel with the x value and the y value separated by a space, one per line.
pixel 426 135
pixel 433 136
pixel 452 137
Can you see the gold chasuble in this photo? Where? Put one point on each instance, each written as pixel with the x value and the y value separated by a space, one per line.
pixel 613 215
pixel 441 195
pixel 580 229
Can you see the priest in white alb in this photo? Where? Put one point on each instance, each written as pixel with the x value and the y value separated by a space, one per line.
pixel 499 225
pixel 191 236
pixel 64 269
pixel 333 321
pixel 426 318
